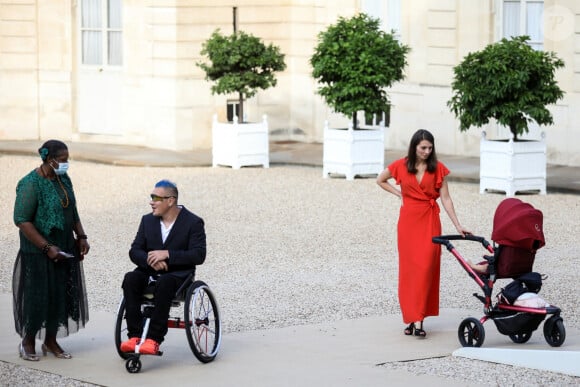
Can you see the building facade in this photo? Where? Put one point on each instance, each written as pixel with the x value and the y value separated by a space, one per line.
pixel 124 71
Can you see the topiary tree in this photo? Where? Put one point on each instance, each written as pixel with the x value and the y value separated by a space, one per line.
pixel 354 62
pixel 240 63
pixel 508 81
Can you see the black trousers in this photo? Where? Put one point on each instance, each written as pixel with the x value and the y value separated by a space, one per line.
pixel 134 285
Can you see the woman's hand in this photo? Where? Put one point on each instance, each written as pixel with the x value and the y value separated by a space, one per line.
pixel 463 231
pixel 55 254
pixel 84 246
pixel 52 252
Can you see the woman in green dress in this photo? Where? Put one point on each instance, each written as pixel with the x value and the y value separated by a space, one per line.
pixel 48 281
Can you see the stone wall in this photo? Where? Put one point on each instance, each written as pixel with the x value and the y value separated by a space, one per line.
pixel 166 103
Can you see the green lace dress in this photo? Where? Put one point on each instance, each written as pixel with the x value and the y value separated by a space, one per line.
pixel 49 297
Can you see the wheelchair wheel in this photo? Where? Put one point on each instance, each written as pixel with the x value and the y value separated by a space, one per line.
pixel 121 330
pixel 471 333
pixel 202 322
pixel 133 365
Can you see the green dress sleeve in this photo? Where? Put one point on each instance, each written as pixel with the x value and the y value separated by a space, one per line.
pixel 26 201
pixel 38 202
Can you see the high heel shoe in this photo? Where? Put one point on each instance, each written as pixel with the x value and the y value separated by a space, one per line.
pixel 410 329
pixel 25 355
pixel 419 331
pixel 60 354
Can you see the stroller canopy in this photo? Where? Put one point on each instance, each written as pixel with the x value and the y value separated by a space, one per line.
pixel 518 224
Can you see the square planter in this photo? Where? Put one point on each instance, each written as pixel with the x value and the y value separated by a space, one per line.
pixel 354 152
pixel 511 166
pixel 237 145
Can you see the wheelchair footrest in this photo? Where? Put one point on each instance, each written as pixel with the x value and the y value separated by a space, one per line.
pixel 135 355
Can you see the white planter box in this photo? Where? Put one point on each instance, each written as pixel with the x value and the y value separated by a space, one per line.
pixel 238 145
pixel 354 152
pixel 512 166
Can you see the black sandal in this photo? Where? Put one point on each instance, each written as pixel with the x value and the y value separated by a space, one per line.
pixel 409 330
pixel 420 332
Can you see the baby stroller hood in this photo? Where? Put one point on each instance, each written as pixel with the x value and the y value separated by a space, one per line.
pixel 518 224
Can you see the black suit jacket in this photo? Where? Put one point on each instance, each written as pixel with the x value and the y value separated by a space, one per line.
pixel 185 243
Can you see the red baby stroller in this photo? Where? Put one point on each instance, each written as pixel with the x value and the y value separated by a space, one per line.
pixel 517 235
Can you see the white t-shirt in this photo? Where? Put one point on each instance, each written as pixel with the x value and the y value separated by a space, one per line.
pixel 165 230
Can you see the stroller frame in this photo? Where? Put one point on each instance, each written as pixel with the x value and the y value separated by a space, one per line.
pixel 471 332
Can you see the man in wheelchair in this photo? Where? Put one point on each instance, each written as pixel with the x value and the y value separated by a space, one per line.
pixel 169 244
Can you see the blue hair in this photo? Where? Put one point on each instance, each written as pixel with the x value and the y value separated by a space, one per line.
pixel 170 186
pixel 165 184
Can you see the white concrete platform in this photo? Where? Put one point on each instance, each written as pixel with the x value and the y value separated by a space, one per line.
pixel 565 362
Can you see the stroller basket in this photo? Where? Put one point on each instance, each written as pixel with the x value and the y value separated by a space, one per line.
pixel 512 323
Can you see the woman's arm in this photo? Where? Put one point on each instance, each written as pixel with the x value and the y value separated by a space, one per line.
pixel 448 205
pixel 382 181
pixel 25 208
pixel 82 241
pixel 32 234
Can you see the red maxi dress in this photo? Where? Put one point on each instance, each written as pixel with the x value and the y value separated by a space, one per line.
pixel 419 257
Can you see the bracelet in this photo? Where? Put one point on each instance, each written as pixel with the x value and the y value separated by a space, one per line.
pixel 46 247
pixel 82 236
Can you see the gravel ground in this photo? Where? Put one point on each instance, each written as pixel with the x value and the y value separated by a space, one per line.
pixel 286 247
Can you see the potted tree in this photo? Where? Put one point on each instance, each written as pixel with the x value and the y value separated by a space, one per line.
pixel 354 61
pixel 511 83
pixel 240 63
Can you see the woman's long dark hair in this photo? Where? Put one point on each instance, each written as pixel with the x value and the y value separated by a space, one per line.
pixel 420 135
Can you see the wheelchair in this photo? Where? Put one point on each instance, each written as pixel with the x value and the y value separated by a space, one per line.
pixel 200 320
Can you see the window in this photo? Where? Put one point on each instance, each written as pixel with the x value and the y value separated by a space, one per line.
pixel 101 32
pixel 523 17
pixel 387 11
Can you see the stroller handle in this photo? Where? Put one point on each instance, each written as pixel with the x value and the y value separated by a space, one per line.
pixel 445 239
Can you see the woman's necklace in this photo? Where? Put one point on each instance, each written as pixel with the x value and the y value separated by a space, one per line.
pixel 66 201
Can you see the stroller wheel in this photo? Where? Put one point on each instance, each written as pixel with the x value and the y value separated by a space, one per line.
pixel 554 331
pixel 471 333
pixel 520 338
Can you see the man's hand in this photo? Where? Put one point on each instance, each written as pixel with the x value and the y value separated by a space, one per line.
pixel 157 259
pixel 160 266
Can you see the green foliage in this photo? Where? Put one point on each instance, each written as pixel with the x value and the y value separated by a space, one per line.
pixel 508 81
pixel 240 63
pixel 354 62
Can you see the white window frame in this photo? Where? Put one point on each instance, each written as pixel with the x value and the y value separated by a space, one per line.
pixel 524 27
pixel 387 11
pixel 105 47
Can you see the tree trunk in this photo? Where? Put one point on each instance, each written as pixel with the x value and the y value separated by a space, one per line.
pixel 241 105
pixel 514 131
pixel 354 123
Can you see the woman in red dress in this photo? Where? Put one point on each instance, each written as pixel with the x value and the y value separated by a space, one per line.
pixel 422 181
